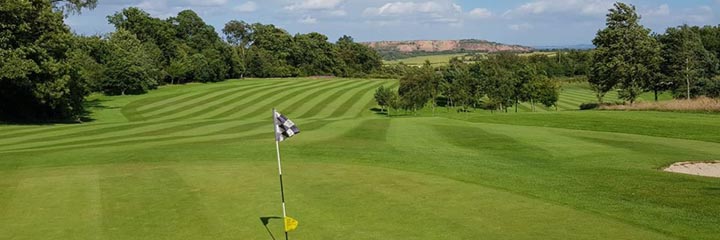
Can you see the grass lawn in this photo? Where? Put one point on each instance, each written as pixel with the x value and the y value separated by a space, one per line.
pixel 198 162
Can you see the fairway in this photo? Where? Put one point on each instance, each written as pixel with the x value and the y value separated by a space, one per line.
pixel 197 161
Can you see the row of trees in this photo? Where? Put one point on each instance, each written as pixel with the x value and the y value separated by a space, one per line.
pixel 497 82
pixel 628 57
pixel 37 77
pixel 46 71
pixel 184 48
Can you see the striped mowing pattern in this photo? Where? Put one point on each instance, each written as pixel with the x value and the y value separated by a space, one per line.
pixel 231 109
pixel 205 112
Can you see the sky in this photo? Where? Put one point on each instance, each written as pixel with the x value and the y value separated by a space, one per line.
pixel 525 22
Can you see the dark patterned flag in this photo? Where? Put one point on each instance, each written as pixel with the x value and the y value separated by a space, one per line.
pixel 284 127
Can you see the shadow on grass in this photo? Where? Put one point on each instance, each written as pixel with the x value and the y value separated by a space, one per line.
pixel 85 116
pixel 393 113
pixel 265 221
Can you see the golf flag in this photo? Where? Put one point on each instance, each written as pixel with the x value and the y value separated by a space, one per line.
pixel 290 224
pixel 284 127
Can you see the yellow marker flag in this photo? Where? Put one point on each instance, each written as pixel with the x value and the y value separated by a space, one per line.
pixel 290 224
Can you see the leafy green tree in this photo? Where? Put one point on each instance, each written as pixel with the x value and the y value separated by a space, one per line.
pixel 239 34
pixel 72 6
pixel 130 68
pixel 87 69
pixel 181 67
pixel 37 81
pixel 529 86
pixel 686 61
pixel 88 56
pixel 359 59
pixel 546 92
pixel 416 88
pixel 710 36
pixel 625 54
pixel 498 83
pixel 234 61
pixel 456 85
pixel 384 97
pixel 148 30
pixel 394 101
pixel 312 55
pixel 192 30
pixel 269 53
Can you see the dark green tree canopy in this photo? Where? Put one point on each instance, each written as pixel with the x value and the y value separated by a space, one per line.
pixel 36 80
pixel 625 54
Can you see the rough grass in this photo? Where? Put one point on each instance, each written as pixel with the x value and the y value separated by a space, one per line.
pixel 198 162
pixel 702 104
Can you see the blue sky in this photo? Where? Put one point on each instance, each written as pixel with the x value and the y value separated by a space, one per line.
pixel 527 22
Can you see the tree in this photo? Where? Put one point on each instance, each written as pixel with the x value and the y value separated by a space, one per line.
pixel 457 86
pixel 36 80
pixel 686 61
pixel 130 68
pixel 72 6
pixel 148 30
pixel 547 91
pixel 384 97
pixel 432 81
pixel 625 54
pixel 498 83
pixel 415 88
pixel 312 55
pixel 530 86
pixel 239 34
pixel 359 59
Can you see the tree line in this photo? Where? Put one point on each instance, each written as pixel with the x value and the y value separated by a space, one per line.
pixel 495 82
pixel 46 71
pixel 631 59
pixel 628 58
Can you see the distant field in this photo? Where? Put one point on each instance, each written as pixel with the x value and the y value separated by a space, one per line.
pixel 443 59
pixel 435 60
pixel 198 162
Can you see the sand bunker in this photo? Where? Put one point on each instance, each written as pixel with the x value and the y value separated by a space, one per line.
pixel 707 169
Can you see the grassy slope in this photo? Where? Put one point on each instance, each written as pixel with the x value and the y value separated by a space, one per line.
pixel 197 162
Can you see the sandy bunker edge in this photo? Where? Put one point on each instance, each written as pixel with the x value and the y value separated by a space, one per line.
pixel 706 169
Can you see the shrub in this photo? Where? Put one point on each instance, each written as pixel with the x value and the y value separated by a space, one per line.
pixel 589 106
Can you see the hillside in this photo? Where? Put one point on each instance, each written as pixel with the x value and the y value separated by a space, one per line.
pixel 465 45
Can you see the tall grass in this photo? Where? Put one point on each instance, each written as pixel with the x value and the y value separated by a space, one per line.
pixel 702 104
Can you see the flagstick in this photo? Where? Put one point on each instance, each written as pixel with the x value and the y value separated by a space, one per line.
pixel 282 191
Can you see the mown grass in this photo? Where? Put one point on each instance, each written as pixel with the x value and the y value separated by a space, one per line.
pixel 198 162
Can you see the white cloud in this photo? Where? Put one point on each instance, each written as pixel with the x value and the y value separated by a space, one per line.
pixel 582 7
pixel 435 11
pixel 308 20
pixel 519 27
pixel 701 15
pixel 337 13
pixel 246 7
pixel 661 11
pixel 480 13
pixel 314 5
pixel 206 2
pixel 406 8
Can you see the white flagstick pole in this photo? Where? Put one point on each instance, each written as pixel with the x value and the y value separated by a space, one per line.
pixel 282 191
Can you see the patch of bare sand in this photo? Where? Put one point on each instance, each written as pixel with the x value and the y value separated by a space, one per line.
pixel 707 169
